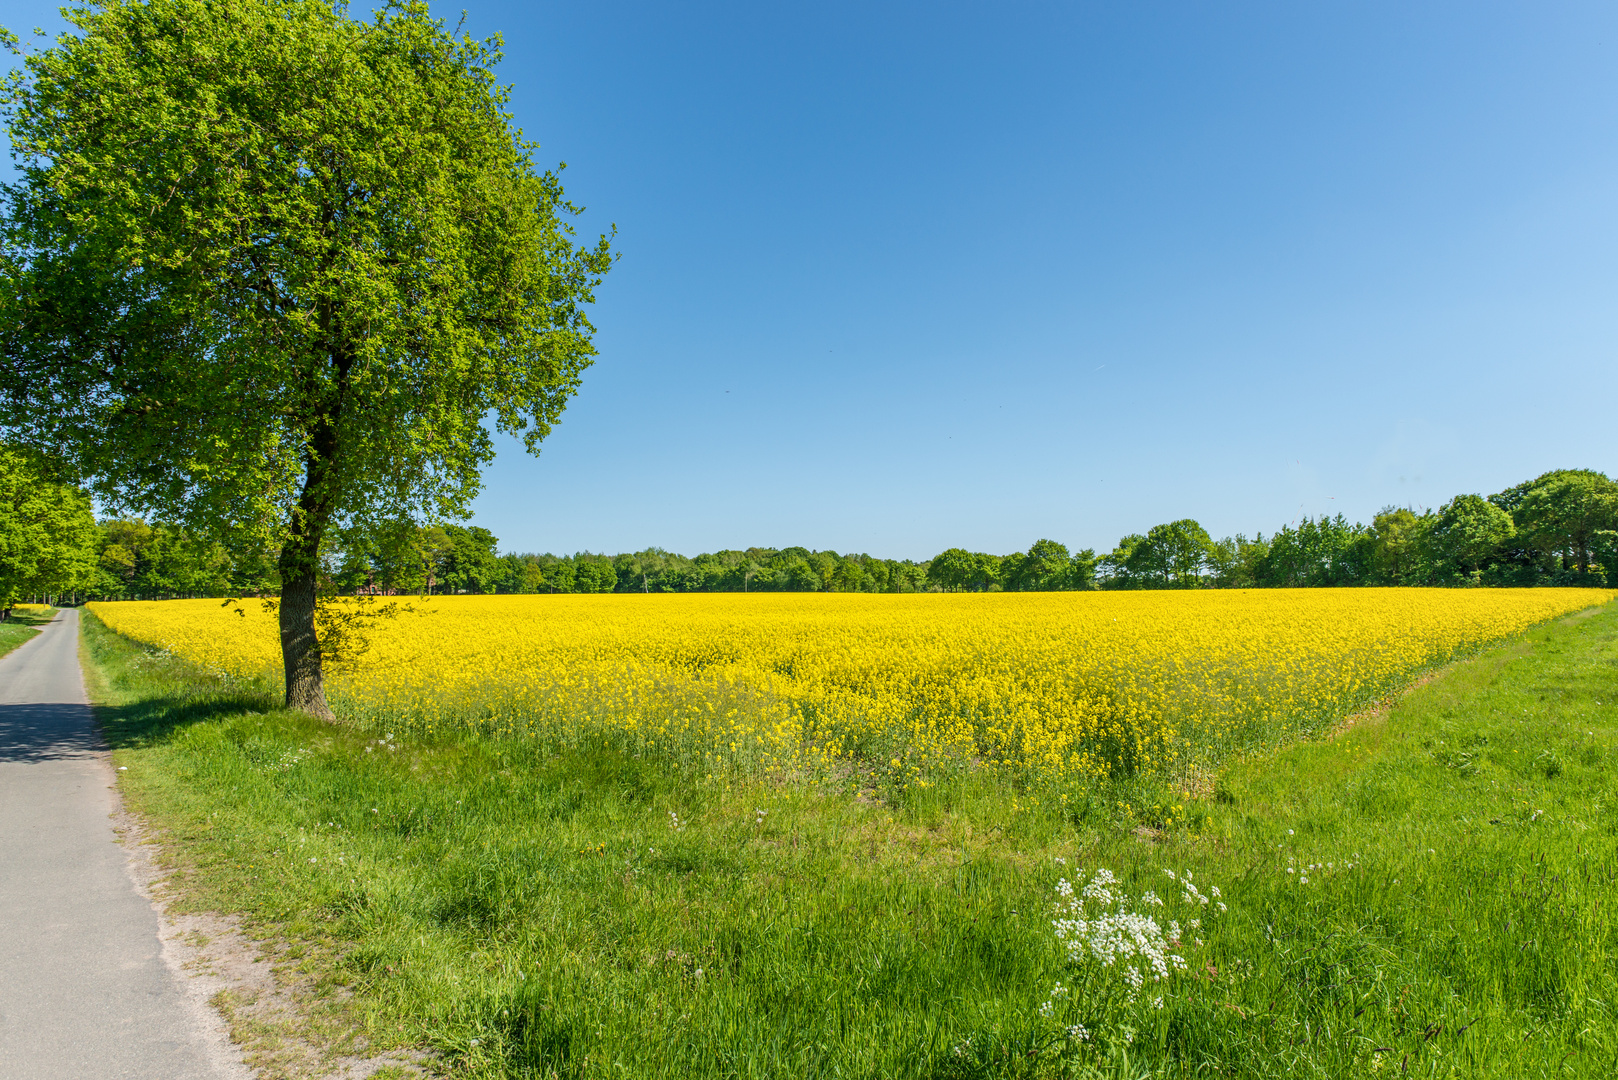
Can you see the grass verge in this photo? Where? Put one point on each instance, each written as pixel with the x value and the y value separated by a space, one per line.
pixel 1427 893
pixel 23 624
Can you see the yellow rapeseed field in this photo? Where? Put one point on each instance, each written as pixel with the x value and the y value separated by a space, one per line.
pixel 1046 686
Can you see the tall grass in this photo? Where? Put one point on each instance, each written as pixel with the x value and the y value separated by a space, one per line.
pixel 591 913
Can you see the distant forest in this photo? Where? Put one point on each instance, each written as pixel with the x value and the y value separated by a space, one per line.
pixel 1558 529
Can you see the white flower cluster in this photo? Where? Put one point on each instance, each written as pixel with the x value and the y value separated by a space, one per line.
pixel 1316 868
pixel 1100 922
pixel 289 759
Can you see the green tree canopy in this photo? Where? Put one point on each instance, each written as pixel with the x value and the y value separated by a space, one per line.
pixel 1467 530
pixel 1561 511
pixel 268 269
pixel 48 539
pixel 1047 565
pixel 1172 553
pixel 1120 568
pixel 958 569
pixel 1397 537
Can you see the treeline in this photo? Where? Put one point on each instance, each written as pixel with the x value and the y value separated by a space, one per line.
pixel 140 561
pixel 456 559
pixel 1558 529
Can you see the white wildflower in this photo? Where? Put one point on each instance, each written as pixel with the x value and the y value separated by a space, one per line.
pixel 1099 922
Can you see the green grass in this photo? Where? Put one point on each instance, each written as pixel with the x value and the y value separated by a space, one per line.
pixel 530 915
pixel 21 626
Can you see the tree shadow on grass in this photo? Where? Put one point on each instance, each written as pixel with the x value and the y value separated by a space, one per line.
pixel 19 617
pixel 157 719
pixel 55 731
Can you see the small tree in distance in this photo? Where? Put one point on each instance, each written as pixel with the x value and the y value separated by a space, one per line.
pixel 268 271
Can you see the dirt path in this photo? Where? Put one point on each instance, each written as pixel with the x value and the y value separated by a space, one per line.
pixel 87 988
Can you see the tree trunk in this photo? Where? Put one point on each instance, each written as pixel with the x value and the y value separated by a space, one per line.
pixel 300 648
pixel 300 554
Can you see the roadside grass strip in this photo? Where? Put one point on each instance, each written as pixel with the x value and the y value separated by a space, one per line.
pixel 25 621
pixel 1428 892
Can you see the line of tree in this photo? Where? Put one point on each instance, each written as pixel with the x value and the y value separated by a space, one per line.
pixel 1558 529
pixel 140 561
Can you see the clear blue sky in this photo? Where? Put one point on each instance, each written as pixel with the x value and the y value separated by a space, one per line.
pixel 899 277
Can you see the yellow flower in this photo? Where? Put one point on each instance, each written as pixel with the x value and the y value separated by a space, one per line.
pixel 1048 687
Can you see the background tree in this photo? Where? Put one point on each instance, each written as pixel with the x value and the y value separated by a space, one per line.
pixel 1317 552
pixel 1561 511
pixel 594 573
pixel 959 570
pixel 137 561
pixel 1467 530
pixel 268 268
pixel 1170 554
pixel 1082 569
pixel 48 538
pixel 470 563
pixel 1118 568
pixel 1397 539
pixel 1237 562
pixel 1604 547
pixel 1186 547
pixel 1047 565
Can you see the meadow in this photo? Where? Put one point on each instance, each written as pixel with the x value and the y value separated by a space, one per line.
pixel 546 883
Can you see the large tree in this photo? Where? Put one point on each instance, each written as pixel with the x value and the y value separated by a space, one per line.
pixel 270 271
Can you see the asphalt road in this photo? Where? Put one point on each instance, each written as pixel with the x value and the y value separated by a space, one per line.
pixel 84 988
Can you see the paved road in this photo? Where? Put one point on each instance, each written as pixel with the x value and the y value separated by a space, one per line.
pixel 85 993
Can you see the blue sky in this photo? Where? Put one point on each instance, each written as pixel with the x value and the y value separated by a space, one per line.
pixel 900 277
